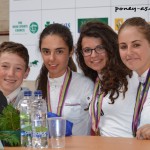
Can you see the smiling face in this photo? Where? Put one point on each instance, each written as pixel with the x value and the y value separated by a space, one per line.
pixel 95 61
pixel 134 49
pixel 12 72
pixel 55 54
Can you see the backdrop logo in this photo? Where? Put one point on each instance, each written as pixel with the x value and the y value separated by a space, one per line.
pixel 20 28
pixel 47 23
pixel 85 20
pixel 67 24
pixel 118 23
pixel 33 27
pixel 34 63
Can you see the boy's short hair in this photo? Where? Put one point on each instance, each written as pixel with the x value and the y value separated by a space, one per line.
pixel 15 48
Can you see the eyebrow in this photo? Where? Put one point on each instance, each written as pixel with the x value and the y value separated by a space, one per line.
pixel 136 41
pixel 59 48
pixel 46 49
pixel 95 46
pixel 132 41
pixel 7 63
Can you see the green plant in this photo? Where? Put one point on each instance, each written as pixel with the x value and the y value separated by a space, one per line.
pixel 10 126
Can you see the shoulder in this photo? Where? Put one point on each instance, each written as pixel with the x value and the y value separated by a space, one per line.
pixel 133 82
pixel 134 78
pixel 79 77
pixel 82 85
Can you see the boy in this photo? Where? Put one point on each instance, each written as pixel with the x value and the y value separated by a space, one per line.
pixel 14 60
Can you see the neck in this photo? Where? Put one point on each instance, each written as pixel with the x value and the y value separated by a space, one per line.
pixel 5 93
pixel 57 75
pixel 141 72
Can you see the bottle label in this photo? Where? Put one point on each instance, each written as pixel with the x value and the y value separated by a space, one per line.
pixel 39 134
pixel 26 133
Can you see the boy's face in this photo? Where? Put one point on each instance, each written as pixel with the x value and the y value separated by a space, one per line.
pixel 12 72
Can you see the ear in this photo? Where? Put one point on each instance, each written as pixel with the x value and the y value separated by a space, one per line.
pixel 26 73
pixel 71 53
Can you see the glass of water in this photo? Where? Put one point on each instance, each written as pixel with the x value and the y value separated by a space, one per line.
pixel 57 130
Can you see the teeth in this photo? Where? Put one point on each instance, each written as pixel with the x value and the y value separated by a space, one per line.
pixel 96 61
pixel 53 65
pixel 11 81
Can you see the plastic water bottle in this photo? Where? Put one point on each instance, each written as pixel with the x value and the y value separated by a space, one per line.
pixel 39 121
pixel 25 119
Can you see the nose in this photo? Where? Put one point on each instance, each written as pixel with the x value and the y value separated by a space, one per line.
pixel 93 53
pixel 11 72
pixel 129 51
pixel 52 57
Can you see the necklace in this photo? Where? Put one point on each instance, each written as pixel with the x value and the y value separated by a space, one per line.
pixel 96 113
pixel 140 100
pixel 63 92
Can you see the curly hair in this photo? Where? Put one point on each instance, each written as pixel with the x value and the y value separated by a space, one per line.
pixel 114 74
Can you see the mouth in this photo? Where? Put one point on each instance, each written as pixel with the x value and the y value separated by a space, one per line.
pixel 96 61
pixel 132 59
pixel 53 66
pixel 10 80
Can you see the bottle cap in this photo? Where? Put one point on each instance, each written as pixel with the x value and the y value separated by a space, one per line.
pixel 27 93
pixel 38 93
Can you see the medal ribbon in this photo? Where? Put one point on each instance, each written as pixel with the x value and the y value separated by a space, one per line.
pixel 140 100
pixel 63 92
pixel 96 112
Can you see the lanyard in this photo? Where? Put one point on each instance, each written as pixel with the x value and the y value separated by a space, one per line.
pixel 140 100
pixel 63 93
pixel 96 112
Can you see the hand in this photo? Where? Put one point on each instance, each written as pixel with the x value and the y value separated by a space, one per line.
pixel 143 133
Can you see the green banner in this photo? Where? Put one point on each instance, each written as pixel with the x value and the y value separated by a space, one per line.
pixel 85 20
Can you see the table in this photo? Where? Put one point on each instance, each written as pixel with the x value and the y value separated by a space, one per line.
pixel 98 143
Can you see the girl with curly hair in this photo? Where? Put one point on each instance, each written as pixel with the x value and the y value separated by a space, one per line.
pixel 112 104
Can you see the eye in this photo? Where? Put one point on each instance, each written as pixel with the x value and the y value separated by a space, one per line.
pixel 4 66
pixel 136 45
pixel 86 50
pixel 18 68
pixel 59 51
pixel 45 51
pixel 100 48
pixel 123 47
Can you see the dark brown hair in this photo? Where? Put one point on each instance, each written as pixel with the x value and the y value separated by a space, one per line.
pixel 65 34
pixel 16 48
pixel 115 72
